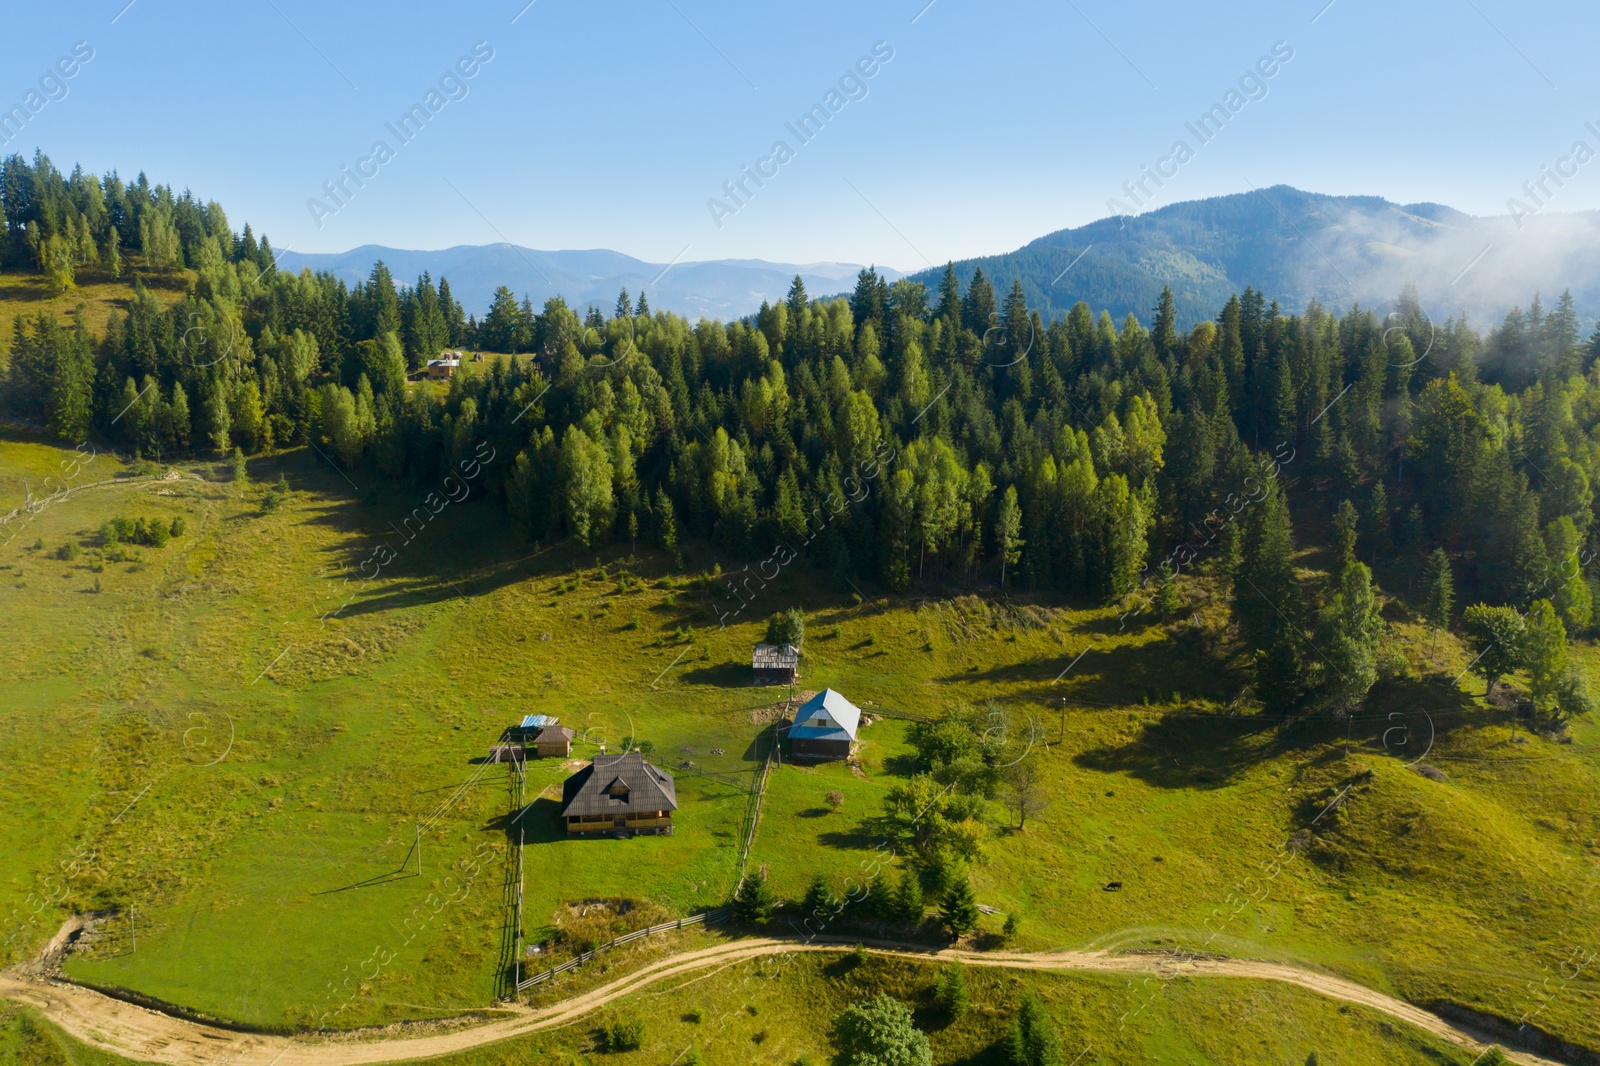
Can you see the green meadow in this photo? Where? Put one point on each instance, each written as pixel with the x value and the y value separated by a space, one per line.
pixel 234 745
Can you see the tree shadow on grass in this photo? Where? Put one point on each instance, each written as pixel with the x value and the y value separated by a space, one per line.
pixel 1116 675
pixel 903 765
pixel 865 835
pixel 722 675
pixel 1195 752
pixel 762 742
pixel 1405 718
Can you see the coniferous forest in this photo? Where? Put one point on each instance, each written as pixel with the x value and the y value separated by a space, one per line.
pixel 896 434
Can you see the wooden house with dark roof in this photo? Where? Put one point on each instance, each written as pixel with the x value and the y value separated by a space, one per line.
pixel 619 795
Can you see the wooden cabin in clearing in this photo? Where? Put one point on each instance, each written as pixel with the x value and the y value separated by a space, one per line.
pixel 776 664
pixel 619 795
pixel 824 727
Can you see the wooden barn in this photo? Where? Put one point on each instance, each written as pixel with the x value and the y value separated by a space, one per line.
pixel 553 740
pixel 776 664
pixel 824 727
pixel 619 795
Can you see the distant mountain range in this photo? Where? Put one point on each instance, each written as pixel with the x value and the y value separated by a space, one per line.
pixel 1297 246
pixel 719 288
pixel 1294 246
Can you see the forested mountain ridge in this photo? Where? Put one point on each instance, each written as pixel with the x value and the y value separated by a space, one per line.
pixel 722 288
pixel 901 435
pixel 1296 247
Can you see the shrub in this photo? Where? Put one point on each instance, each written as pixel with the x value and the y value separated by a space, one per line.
pixel 180 526
pixel 622 1034
pixel 68 551
pixel 835 800
pixel 881 1031
pixel 1013 923
pixel 787 627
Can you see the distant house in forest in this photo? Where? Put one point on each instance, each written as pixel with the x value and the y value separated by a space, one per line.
pixel 776 664
pixel 619 795
pixel 443 368
pixel 824 727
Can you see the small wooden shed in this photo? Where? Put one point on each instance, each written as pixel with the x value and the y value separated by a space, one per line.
pixel 553 740
pixel 776 664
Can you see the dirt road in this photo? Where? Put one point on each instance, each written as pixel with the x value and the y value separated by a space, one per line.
pixel 150 1036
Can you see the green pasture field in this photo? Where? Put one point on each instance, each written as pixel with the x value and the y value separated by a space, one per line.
pixel 231 745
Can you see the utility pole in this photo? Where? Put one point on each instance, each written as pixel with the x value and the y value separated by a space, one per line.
pixel 134 923
pixel 419 851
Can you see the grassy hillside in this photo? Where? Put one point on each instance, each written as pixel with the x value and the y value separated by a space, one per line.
pixel 26 295
pixel 232 743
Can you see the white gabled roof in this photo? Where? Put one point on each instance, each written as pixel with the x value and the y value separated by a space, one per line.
pixel 842 716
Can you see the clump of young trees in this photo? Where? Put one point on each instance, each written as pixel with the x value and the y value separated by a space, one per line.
pixel 149 532
pixel 1505 640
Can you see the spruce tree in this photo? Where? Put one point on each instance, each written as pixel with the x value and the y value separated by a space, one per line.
pixel 1344 538
pixel 1438 590
pixel 753 902
pixel 1351 629
pixel 820 905
pixel 908 898
pixel 1032 1038
pixel 959 909
pixel 950 991
pixel 1007 531
pixel 1266 598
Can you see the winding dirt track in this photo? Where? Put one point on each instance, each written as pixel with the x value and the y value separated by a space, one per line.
pixel 150 1036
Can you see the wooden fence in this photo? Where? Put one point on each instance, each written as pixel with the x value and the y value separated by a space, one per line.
pixel 705 917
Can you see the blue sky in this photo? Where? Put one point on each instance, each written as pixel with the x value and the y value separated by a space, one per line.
pixel 610 123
